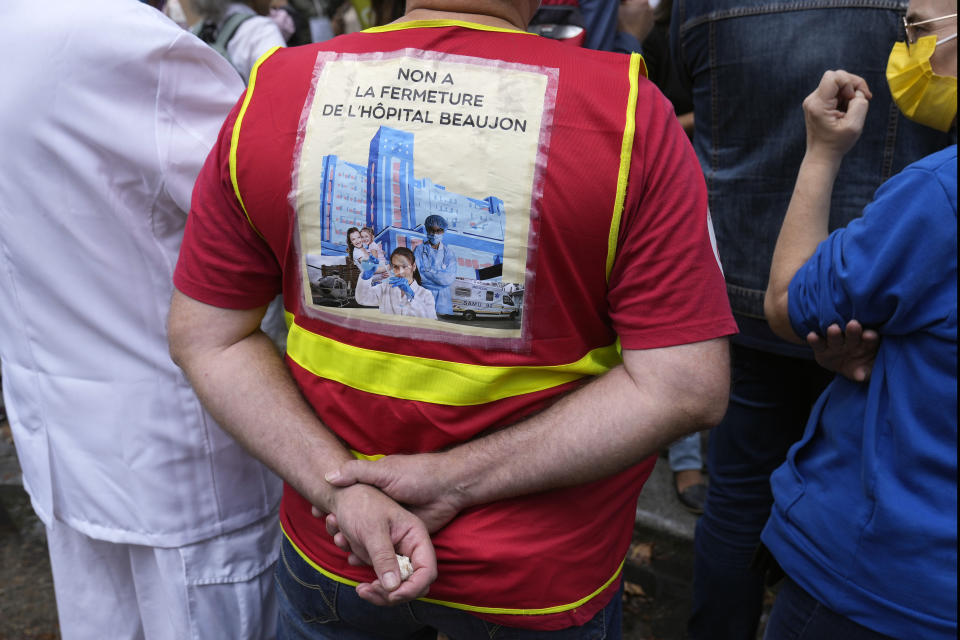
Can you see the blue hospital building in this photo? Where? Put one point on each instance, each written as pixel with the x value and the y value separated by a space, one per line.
pixel 386 196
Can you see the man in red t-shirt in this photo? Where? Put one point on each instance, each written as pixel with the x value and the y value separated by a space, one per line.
pixel 502 446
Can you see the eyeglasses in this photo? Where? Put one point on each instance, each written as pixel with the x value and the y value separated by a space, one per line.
pixel 910 29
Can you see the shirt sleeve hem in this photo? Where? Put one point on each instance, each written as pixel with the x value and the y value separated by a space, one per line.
pixel 679 334
pixel 221 297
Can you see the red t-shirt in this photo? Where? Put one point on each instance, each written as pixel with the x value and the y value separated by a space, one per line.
pixel 576 214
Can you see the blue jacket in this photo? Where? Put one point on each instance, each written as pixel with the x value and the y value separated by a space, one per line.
pixel 865 511
pixel 750 64
pixel 438 270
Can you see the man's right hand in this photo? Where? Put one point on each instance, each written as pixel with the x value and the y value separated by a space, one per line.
pixel 849 352
pixel 377 528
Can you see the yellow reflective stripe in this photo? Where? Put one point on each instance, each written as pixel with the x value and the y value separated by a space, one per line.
pixel 313 564
pixel 626 151
pixel 469 607
pixel 643 65
pixel 235 135
pixel 417 24
pixel 363 456
pixel 530 612
pixel 436 381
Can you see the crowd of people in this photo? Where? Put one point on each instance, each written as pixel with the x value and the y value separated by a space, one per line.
pixel 736 216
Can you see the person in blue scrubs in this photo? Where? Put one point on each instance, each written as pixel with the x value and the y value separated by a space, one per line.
pixel 437 263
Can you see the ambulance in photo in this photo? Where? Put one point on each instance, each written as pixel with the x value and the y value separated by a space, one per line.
pixel 483 298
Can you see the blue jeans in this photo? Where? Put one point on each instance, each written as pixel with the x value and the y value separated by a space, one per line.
pixel 797 616
pixel 684 454
pixel 770 400
pixel 313 607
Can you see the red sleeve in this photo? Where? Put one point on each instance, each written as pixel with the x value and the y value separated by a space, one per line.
pixel 224 261
pixel 666 287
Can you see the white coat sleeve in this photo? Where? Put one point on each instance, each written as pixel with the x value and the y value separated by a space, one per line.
pixel 367 294
pixel 196 89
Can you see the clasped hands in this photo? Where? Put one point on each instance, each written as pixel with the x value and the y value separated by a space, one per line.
pixel 389 506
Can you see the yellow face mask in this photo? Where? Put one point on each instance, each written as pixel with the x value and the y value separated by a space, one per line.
pixel 922 95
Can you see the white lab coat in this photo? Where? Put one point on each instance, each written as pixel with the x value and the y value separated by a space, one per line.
pixel 100 152
pixel 392 300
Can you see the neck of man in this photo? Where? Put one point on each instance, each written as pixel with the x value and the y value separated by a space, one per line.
pixel 505 14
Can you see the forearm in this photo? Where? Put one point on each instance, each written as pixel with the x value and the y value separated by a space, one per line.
pixel 805 226
pixel 834 114
pixel 246 387
pixel 636 18
pixel 365 294
pixel 603 428
pixel 687 123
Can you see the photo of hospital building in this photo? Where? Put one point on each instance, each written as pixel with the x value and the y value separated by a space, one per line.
pixel 386 196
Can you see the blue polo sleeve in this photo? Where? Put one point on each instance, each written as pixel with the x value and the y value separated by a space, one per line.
pixel 893 269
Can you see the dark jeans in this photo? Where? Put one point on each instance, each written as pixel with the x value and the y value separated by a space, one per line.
pixel 770 400
pixel 797 616
pixel 313 607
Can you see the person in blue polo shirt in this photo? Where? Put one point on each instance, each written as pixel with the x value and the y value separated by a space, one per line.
pixel 864 522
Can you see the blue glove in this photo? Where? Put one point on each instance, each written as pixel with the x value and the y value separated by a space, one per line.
pixel 402 284
pixel 369 267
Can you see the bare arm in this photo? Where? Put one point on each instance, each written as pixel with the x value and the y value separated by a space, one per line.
pixel 635 17
pixel 634 410
pixel 242 381
pixel 687 122
pixel 834 114
pixel 655 397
